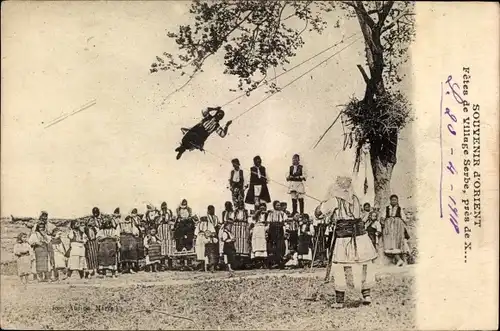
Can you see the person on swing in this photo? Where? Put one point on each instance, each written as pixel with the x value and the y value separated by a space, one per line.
pixel 195 137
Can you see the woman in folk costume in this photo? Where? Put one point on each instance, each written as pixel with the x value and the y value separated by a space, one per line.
pixel 258 191
pixel 151 218
pixel 91 227
pixel 227 216
pixel 108 247
pixel 241 230
pixel 184 227
pixel 305 246
pixel 394 232
pixel 228 212
pixel 142 225
pixel 212 218
pixel 22 250
pixel 203 234
pixel 228 248
pixel 40 241
pixel 77 239
pixel 276 235
pixel 212 246
pixel 237 183
pixel 152 244
pixel 296 176
pixel 291 228
pixel 259 233
pixel 165 232
pixel 351 245
pixel 129 236
pixel 60 248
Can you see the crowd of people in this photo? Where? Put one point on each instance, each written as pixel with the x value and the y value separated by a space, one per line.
pixel 103 244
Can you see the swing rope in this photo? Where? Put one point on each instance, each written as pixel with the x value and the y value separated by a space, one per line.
pixel 297 78
pixel 268 97
pixel 293 68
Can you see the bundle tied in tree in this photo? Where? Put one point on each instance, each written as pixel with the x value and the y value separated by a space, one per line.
pixel 377 124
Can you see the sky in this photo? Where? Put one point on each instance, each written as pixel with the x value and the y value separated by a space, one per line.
pixel 120 152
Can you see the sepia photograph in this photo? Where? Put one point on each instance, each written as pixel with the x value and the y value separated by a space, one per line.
pixel 236 165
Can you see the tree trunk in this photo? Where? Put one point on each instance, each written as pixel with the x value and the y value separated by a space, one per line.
pixel 383 158
pixel 382 181
pixel 382 148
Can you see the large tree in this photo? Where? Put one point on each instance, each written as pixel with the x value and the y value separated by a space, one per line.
pixel 256 36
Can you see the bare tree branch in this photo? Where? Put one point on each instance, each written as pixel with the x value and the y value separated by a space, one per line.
pixel 386 9
pixel 395 20
pixel 363 73
pixel 361 8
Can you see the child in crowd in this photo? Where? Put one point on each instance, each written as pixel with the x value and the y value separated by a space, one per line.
pixel 60 249
pixel 373 228
pixel 76 256
pixel 22 251
pixel 152 244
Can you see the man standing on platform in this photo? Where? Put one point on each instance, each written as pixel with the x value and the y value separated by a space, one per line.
pixel 296 176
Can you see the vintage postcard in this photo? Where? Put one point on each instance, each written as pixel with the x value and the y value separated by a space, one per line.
pixel 249 165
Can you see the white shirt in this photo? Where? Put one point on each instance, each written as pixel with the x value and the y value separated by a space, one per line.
pixel 236 176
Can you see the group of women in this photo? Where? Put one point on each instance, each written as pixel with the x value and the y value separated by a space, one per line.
pixel 100 244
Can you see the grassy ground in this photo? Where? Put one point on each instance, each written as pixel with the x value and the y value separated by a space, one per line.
pixel 256 299
pixel 269 302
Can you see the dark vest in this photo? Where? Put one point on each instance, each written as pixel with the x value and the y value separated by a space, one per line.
pixel 295 177
pixel 240 183
pixel 254 179
pixel 388 212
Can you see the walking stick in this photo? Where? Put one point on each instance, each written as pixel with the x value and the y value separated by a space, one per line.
pixel 330 256
pixel 308 297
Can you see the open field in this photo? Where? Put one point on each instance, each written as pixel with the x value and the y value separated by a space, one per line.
pixel 251 299
pixel 255 299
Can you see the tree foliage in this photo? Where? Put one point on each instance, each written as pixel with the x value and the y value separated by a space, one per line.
pixel 255 36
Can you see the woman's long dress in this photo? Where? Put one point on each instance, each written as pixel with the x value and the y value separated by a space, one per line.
pixel 91 248
pixel 394 236
pixel 165 234
pixel 43 251
pixel 128 241
pixel 107 249
pixel 59 249
pixel 153 248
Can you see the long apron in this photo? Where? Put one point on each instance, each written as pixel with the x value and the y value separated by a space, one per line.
pixel 107 254
pixel 276 241
pixel 128 250
pixel 241 233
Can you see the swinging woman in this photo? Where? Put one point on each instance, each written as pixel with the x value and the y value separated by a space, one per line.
pixel 195 137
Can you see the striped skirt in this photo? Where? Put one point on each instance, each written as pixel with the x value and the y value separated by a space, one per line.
pixel 166 236
pixel 394 236
pixel 128 251
pixel 42 258
pixel 107 254
pixel 91 254
pixel 141 251
pixel 154 253
pixel 242 235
